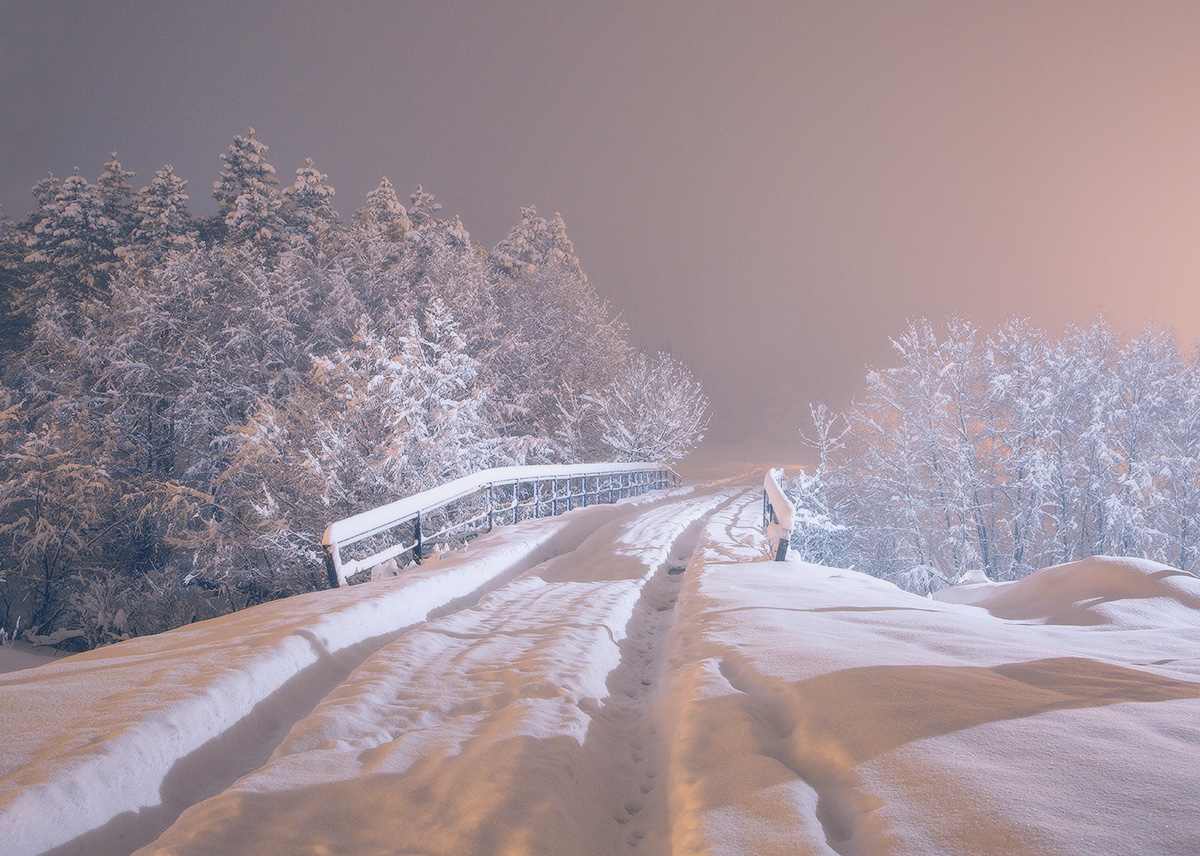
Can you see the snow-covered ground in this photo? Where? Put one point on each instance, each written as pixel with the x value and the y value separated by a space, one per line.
pixel 630 679
pixel 16 655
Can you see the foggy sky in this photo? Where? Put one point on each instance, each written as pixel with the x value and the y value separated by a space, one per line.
pixel 767 189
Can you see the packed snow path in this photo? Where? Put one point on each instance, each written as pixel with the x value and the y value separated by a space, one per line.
pixel 102 751
pixel 631 679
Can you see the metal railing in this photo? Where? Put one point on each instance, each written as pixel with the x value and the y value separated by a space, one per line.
pixel 778 514
pixel 454 513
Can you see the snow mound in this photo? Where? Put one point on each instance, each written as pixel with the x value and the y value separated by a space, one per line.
pixel 1102 591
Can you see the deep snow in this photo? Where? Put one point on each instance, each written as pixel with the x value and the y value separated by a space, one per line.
pixel 15 655
pixel 630 679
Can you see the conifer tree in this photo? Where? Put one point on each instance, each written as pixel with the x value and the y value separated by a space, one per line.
pixel 44 192
pixel 383 213
pixel 116 195
pixel 161 219
pixel 247 197
pixel 536 241
pixel 308 204
pixel 423 208
pixel 74 240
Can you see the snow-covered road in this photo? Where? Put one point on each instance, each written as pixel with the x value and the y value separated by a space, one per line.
pixel 102 751
pixel 629 679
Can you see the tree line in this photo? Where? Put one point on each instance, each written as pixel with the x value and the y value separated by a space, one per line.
pixel 187 402
pixel 1008 453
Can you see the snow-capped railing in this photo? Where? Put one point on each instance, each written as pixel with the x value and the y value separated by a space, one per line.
pixel 778 514
pixel 465 507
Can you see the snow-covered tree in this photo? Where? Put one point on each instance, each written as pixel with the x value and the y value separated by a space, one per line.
pixel 1178 471
pixel 384 213
pixel 161 219
pixel 422 208
pixel 116 195
pixel 536 241
pixel 560 339
pixel 189 403
pixel 384 417
pixel 1013 452
pixel 656 411
pixel 13 274
pixel 308 205
pixel 248 200
pixel 44 192
pixel 73 240
pixel 57 498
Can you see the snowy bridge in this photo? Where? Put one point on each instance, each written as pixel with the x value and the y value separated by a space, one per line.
pixel 628 678
pixel 463 508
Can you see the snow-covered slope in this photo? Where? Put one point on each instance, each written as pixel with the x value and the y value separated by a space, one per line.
pixel 638 682
pixel 104 749
pixel 824 711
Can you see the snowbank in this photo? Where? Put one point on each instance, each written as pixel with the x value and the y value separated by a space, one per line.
pixel 1099 591
pixel 471 734
pixel 114 742
pixel 823 711
pixel 639 681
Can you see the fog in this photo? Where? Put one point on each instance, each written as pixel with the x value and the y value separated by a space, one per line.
pixel 769 190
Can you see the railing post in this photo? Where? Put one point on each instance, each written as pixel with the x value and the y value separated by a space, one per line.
pixel 516 502
pixel 537 498
pixel 331 566
pixel 778 514
pixel 419 549
pixel 491 518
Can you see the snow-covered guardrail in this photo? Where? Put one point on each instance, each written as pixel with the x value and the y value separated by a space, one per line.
pixel 778 514
pixel 474 504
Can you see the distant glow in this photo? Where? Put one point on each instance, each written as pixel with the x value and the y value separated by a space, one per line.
pixel 810 173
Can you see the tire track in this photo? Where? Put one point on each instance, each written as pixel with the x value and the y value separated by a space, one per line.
pixel 469 732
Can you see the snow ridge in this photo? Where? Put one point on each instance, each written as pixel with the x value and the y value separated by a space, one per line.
pixel 471 733
pixel 108 747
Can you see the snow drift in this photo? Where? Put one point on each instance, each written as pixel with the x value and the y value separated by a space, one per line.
pixel 1100 591
pixel 643 684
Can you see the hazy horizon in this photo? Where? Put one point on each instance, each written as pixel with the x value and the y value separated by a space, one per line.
pixel 768 190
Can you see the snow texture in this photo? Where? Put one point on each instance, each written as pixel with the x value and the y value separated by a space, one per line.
pixel 630 678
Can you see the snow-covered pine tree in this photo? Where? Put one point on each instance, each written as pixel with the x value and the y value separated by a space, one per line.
pixel 308 207
pixel 44 191
pixel 248 200
pixel 73 241
pixel 383 213
pixel 116 195
pixel 448 429
pixel 161 218
pixel 423 208
pixel 534 242
pixel 383 417
pixel 561 340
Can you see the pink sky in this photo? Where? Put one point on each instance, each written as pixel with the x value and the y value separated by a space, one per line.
pixel 768 189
